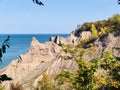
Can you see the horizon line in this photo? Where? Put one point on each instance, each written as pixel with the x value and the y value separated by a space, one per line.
pixel 34 33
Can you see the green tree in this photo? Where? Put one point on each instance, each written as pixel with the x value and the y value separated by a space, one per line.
pixel 84 78
pixel 112 67
pixel 104 30
pixel 94 31
pixel 114 22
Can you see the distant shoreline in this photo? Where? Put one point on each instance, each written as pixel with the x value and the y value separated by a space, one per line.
pixel 34 33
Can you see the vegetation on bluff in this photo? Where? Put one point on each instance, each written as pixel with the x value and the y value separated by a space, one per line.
pixel 99 28
pixel 111 24
pixel 99 73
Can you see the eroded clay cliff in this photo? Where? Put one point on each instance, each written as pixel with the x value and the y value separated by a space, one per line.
pixel 40 58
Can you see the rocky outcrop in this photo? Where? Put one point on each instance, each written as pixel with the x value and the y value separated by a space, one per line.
pixel 40 58
pixel 71 39
pixel 85 35
pixel 110 42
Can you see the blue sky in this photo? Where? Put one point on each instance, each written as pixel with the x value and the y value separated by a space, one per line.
pixel 57 16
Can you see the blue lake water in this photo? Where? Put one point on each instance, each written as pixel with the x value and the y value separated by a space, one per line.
pixel 20 43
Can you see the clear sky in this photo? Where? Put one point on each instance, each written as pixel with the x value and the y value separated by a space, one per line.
pixel 57 16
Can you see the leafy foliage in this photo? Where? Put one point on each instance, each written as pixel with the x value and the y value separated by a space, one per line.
pixel 5 44
pixel 118 1
pixel 94 31
pixel 4 77
pixel 38 2
pixel 112 67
